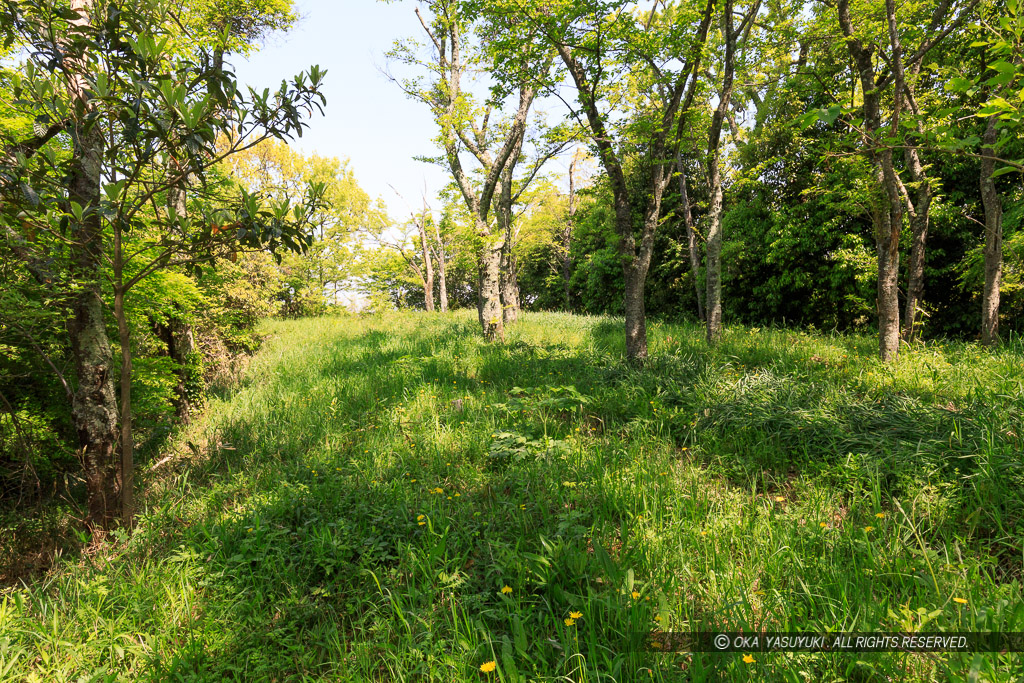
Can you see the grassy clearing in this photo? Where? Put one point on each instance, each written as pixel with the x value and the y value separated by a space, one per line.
pixel 390 499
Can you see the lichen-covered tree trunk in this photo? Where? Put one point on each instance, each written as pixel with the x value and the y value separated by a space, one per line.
pixel 509 281
pixel 993 251
pixel 509 287
pixel 888 222
pixel 491 317
pixel 714 257
pixel 636 315
pixel 94 407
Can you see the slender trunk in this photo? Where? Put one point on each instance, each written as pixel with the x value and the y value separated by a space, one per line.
pixel 442 267
pixel 993 239
pixel 886 201
pixel 691 239
pixel 919 206
pixel 919 217
pixel 94 408
pixel 714 256
pixel 428 265
pixel 127 439
pixel 565 257
pixel 714 247
pixel 635 276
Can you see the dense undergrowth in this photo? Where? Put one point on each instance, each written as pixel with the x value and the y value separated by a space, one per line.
pixel 391 499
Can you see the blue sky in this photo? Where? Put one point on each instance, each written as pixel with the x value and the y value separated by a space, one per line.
pixel 368 118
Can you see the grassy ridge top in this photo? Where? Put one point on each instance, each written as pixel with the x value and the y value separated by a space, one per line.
pixel 392 499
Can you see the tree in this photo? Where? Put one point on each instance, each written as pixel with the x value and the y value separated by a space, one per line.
pixel 1003 75
pixel 889 201
pixel 130 103
pixel 275 172
pixel 466 125
pixel 618 56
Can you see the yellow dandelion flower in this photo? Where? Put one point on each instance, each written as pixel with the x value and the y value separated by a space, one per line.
pixel 880 515
pixel 506 589
pixel 960 601
pixel 488 667
pixel 575 615
pixel 634 595
pixel 748 659
pixel 420 518
pixel 868 529
pixel 457 495
pixel 438 490
pixel 823 525
pixel 422 523
pixel 780 499
pixel 570 622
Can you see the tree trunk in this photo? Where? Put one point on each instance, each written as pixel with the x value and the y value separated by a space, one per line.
pixel 691 238
pixel 636 315
pixel 888 225
pixel 714 248
pixel 634 270
pixel 428 265
pixel 565 247
pixel 127 438
pixel 94 408
pixel 714 257
pixel 993 239
pixel 509 286
pixel 919 217
pixel 491 316
pixel 886 201
pixel 442 267
pixel 182 349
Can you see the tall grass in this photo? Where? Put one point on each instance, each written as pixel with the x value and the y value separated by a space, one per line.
pixel 391 499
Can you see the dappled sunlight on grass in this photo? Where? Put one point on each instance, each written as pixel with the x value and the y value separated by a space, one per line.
pixel 391 499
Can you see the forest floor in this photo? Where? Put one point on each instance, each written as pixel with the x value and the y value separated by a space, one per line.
pixel 391 499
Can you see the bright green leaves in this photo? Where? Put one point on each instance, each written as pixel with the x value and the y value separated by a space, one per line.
pixel 828 116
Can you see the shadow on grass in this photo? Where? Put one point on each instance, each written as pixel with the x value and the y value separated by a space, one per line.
pixel 316 544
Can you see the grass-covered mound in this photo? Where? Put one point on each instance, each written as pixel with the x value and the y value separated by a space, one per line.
pixel 392 499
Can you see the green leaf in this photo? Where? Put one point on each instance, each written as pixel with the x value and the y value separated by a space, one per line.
pixel 1004 171
pixel 959 84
